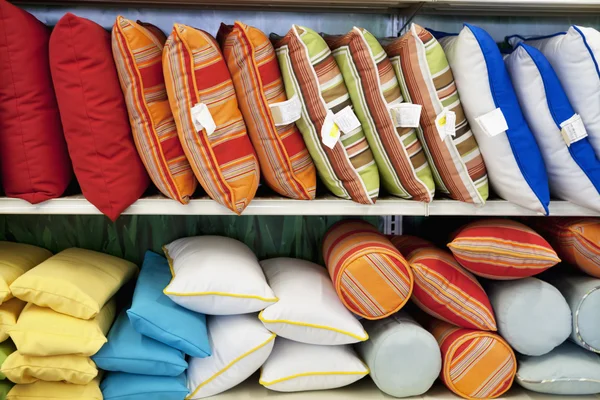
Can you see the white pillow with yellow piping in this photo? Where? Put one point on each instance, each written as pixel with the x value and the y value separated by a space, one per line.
pixel 308 310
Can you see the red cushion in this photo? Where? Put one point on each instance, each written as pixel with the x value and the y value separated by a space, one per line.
pixel 94 116
pixel 34 162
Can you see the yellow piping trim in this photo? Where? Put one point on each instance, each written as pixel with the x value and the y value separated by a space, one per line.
pixel 287 378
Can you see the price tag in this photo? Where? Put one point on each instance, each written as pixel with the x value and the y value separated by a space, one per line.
pixel 493 123
pixel 330 132
pixel 346 120
pixel 286 112
pixel 202 119
pixel 573 130
pixel 445 123
pixel 406 115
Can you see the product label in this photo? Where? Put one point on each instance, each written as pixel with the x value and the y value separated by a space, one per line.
pixel 346 120
pixel 573 130
pixel 286 112
pixel 202 119
pixel 445 123
pixel 406 115
pixel 330 133
pixel 493 123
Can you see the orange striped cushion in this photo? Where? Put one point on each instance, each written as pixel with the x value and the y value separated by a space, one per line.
pixel 284 159
pixel 224 162
pixel 475 364
pixel 137 50
pixel 370 276
pixel 502 249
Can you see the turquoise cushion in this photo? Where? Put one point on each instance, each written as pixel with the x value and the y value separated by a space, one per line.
pixel 131 352
pixel 119 385
pixel 153 314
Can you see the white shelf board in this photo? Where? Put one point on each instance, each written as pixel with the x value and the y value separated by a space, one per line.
pixel 513 7
pixel 504 208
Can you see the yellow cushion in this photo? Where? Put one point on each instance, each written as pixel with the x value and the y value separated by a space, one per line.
pixel 15 260
pixel 75 282
pixel 24 369
pixel 42 332
pixel 56 391
pixel 9 313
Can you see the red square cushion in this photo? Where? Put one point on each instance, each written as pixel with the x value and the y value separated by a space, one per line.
pixel 34 162
pixel 94 116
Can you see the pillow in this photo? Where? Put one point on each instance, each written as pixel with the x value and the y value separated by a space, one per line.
pixel 240 345
pixel 566 370
pixel 9 313
pixel 370 276
pixel 56 391
pixel 284 160
pixel 311 75
pixel 404 359
pixel 212 133
pixel 512 156
pixel 23 369
pixel 154 315
pixel 94 116
pixel 131 352
pixel 75 282
pixel 375 94
pixel 43 332
pixel 532 315
pixel 6 349
pixel 15 260
pixel 119 385
pixel 453 154
pixel 296 367
pixel 34 162
pixel 137 51
pixel 475 364
pixel 203 269
pixel 502 249
pixel 308 309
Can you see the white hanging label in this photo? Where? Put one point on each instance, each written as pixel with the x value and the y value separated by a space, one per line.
pixel 330 132
pixel 573 130
pixel 346 120
pixel 406 115
pixel 286 112
pixel 445 123
pixel 202 119
pixel 493 123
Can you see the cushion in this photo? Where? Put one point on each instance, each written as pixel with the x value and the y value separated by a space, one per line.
pixel 404 359
pixel 285 163
pixel 34 162
pixel 532 315
pixel 203 268
pixel 212 133
pixel 131 352
pixel 566 370
pixel 75 282
pixel 119 385
pixel 56 390
pixel 6 349
pixel 9 313
pixel 15 260
pixel 308 309
pixel 453 154
pixel 374 90
pixel 512 156
pixel 154 315
pixel 23 369
pixel 501 249
pixel 475 364
pixel 240 345
pixel 94 116
pixel 43 332
pixel 310 73
pixel 296 367
pixel 370 276
pixel 137 51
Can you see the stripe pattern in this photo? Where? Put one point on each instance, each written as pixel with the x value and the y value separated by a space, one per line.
pixel 373 87
pixel 284 159
pixel 475 364
pixel 458 167
pixel 137 51
pixel 502 249
pixel 310 72
pixel 224 162
pixel 370 276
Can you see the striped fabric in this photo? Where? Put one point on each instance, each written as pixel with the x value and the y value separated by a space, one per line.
pixel 284 159
pixel 137 51
pixel 457 165
pixel 310 72
pixel 371 278
pixel 502 249
pixel 475 364
pixel 373 86
pixel 224 162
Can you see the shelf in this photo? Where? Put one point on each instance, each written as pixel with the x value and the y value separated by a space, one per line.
pixel 512 7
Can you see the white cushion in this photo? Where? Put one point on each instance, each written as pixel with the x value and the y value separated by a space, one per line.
pixel 216 275
pixel 308 309
pixel 295 367
pixel 240 345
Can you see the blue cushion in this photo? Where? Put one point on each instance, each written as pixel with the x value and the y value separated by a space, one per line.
pixel 153 314
pixel 122 386
pixel 131 352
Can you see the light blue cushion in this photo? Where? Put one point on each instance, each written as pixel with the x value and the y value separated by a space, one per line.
pixel 131 352
pixel 122 386
pixel 153 314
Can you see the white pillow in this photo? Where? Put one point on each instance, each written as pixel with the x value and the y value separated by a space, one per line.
pixel 216 275
pixel 308 309
pixel 240 345
pixel 296 367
